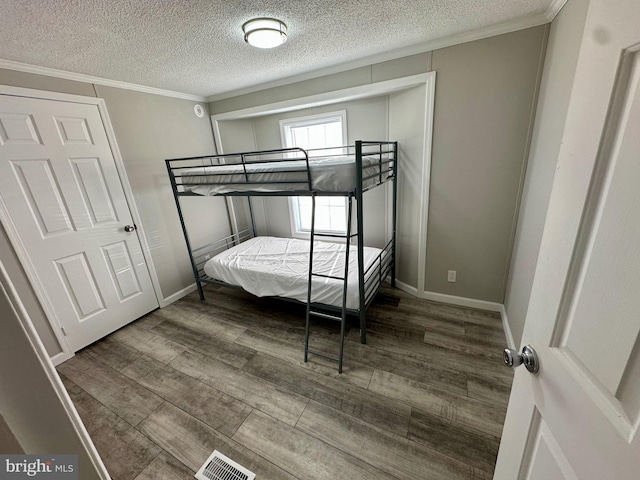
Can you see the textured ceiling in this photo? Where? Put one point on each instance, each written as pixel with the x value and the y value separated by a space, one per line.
pixel 197 47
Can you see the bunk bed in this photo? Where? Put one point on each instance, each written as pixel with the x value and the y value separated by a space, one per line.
pixel 337 278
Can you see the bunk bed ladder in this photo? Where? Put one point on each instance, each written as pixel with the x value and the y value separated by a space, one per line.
pixel 311 312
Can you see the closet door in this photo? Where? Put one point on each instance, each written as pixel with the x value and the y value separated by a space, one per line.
pixel 62 197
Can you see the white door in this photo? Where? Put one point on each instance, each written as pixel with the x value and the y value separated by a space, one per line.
pixel 579 417
pixel 61 192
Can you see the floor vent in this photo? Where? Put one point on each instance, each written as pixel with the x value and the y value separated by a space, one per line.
pixel 219 467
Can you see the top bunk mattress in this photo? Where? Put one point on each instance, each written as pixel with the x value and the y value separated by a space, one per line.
pixel 279 267
pixel 328 174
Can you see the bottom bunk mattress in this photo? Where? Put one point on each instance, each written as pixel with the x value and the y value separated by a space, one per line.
pixel 279 267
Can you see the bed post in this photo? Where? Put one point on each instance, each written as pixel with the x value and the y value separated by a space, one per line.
pixel 253 220
pixel 184 230
pixel 394 214
pixel 360 236
pixel 307 324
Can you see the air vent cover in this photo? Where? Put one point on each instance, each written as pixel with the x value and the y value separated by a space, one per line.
pixel 220 467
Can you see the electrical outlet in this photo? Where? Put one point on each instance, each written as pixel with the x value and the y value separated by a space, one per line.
pixel 451 276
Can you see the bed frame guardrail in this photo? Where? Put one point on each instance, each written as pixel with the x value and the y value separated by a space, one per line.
pixel 213 170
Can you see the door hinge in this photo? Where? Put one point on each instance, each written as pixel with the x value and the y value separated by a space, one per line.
pixel 63 331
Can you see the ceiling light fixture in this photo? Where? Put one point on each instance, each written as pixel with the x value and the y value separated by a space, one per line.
pixel 265 32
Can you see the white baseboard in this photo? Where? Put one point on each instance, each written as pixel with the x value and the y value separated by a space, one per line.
pixel 451 299
pixel 507 329
pixel 462 301
pixel 407 288
pixel 59 358
pixel 179 294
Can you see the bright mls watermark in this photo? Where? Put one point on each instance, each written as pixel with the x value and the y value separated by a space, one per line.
pixel 50 467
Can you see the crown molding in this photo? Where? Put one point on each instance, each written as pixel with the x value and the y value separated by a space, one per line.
pixel 554 9
pixel 79 77
pixel 451 40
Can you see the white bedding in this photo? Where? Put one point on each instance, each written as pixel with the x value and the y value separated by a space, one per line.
pixel 271 266
pixel 328 174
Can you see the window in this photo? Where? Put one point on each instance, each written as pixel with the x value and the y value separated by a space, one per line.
pixel 316 131
pixel 331 214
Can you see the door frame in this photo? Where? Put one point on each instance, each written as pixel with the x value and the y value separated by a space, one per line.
pixel 20 249
pixel 55 390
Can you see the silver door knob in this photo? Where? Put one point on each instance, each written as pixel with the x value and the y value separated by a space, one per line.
pixel 528 357
pixel 130 228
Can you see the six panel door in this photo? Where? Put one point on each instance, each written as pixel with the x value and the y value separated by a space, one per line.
pixel 579 417
pixel 61 190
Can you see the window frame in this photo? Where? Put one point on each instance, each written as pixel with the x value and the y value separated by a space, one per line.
pixel 309 121
pixel 285 135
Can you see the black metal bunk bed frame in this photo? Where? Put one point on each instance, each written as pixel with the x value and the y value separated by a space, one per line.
pixel 369 280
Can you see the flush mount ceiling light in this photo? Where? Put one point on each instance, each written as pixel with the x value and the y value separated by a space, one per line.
pixel 265 32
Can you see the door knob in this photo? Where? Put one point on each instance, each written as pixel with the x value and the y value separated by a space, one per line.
pixel 130 228
pixel 528 357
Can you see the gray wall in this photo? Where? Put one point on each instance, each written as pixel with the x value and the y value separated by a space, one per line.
pixel 238 136
pixel 485 97
pixel 49 84
pixel 559 69
pixel 379 72
pixel 149 129
pixel 485 93
pixel 407 127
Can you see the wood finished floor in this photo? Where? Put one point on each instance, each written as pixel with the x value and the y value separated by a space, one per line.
pixel 424 399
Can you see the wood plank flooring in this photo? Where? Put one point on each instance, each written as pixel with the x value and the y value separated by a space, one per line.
pixel 425 399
